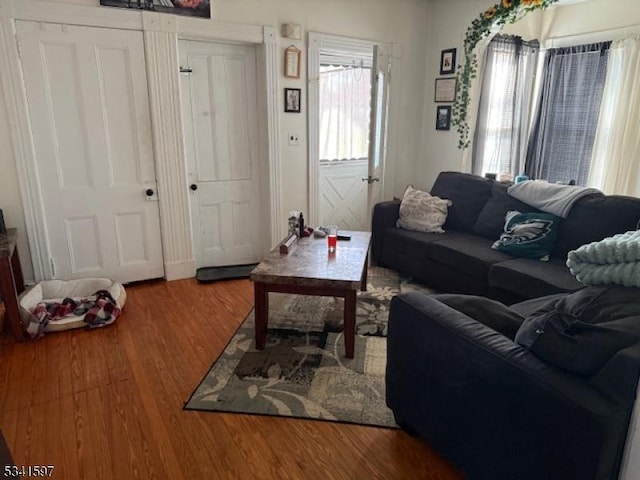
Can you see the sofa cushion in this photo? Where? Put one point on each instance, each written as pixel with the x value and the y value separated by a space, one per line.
pixel 491 313
pixel 415 244
pixel 467 253
pixel 490 223
pixel 595 217
pixel 528 235
pixel 422 212
pixel 582 331
pixel 531 278
pixel 468 194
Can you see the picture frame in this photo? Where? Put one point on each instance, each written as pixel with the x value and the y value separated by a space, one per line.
pixel 191 8
pixel 445 90
pixel 292 61
pixel 292 100
pixel 448 61
pixel 443 117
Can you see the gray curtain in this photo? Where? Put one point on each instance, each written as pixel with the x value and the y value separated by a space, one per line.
pixel 564 130
pixel 500 141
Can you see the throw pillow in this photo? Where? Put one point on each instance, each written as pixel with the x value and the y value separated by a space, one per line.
pixel 422 212
pixel 528 235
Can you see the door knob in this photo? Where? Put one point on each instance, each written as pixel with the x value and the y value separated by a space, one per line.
pixel 149 192
pixel 193 187
pixel 370 179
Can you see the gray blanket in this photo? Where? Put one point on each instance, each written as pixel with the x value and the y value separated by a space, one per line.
pixel 549 197
pixel 612 261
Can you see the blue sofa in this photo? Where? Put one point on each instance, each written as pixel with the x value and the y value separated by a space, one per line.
pixel 457 377
pixel 461 260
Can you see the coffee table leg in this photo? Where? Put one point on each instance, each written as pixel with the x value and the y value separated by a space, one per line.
pixel 261 297
pixel 349 323
pixel 363 284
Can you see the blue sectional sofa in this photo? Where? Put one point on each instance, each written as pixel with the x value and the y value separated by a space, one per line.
pixel 461 260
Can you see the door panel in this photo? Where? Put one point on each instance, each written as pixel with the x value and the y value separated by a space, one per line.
pixel 119 116
pixel 66 116
pixel 89 109
pixel 132 224
pixel 220 110
pixel 84 244
pixel 343 194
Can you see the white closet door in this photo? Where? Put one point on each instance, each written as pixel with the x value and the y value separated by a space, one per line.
pixel 220 119
pixel 89 109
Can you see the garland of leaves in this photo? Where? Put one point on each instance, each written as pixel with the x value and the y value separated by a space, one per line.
pixel 507 11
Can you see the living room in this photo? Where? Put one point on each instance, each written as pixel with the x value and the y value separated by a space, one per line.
pixel 124 388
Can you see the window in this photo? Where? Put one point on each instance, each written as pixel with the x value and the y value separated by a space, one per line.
pixel 562 139
pixel 345 103
pixel 503 117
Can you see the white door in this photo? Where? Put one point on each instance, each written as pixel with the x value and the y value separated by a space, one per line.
pixel 219 109
pixel 89 109
pixel 344 121
pixel 380 75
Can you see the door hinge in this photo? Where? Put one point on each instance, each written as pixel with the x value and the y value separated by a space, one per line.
pixel 53 267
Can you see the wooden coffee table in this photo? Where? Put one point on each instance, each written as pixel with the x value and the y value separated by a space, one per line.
pixel 311 270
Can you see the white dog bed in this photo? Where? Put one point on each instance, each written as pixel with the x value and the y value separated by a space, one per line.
pixel 58 290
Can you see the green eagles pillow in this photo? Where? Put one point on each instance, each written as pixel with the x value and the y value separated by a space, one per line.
pixel 528 235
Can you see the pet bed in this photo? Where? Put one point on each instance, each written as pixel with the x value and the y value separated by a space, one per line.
pixel 57 290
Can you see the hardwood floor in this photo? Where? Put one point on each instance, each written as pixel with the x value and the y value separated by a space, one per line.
pixel 108 403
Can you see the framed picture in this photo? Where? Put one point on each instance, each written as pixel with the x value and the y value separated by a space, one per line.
pixel 448 61
pixel 292 97
pixel 445 90
pixel 292 57
pixel 193 8
pixel 443 118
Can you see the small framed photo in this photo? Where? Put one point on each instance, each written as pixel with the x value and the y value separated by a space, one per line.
pixel 448 61
pixel 445 90
pixel 292 100
pixel 292 57
pixel 443 117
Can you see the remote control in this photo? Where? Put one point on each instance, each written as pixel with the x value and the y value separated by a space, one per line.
pixel 344 237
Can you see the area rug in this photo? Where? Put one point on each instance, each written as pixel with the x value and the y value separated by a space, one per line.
pixel 302 372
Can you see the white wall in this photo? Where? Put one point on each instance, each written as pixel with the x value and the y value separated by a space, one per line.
pixel 447 25
pixel 402 22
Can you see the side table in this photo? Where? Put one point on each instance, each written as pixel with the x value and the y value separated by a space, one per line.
pixel 11 281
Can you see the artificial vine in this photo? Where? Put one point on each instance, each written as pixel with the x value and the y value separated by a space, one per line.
pixel 507 11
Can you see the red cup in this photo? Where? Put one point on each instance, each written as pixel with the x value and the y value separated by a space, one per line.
pixel 332 238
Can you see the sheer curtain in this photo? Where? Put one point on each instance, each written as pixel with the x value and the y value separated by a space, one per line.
pixel 345 97
pixel 563 135
pixel 616 157
pixel 500 141
pixel 475 86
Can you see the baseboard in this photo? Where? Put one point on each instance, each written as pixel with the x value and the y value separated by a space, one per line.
pixel 179 270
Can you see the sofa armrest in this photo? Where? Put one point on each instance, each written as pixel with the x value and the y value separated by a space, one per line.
pixel 619 376
pixel 490 405
pixel 385 215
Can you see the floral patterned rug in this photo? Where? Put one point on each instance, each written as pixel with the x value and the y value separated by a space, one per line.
pixel 302 372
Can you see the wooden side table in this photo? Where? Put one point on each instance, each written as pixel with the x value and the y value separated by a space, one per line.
pixel 11 281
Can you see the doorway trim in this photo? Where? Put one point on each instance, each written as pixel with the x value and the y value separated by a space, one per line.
pixel 320 42
pixel 161 34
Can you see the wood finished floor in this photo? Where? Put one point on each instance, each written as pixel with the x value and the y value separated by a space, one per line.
pixel 107 404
